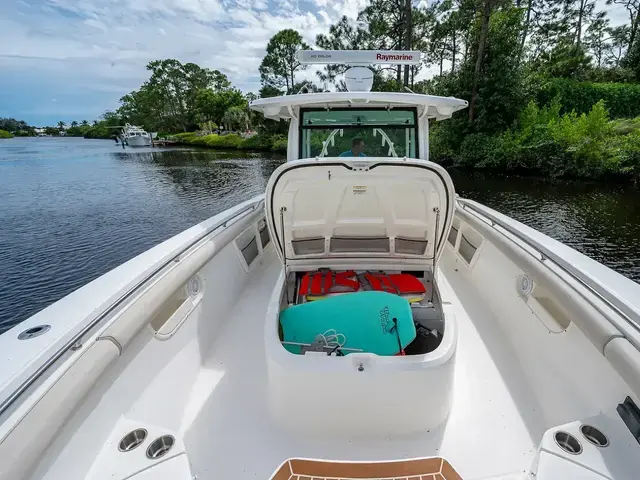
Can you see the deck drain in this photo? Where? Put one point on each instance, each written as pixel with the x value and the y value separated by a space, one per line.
pixel 132 440
pixel 34 332
pixel 160 446
pixel 594 436
pixel 568 442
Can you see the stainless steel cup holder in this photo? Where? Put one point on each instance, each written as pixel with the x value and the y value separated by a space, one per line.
pixel 160 446
pixel 132 440
pixel 594 436
pixel 568 442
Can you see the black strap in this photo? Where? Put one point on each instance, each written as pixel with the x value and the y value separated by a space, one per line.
pixel 384 287
pixel 395 287
pixel 395 327
pixel 364 282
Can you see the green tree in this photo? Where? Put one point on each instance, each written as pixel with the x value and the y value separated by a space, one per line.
pixel 341 36
pixel 235 118
pixel 211 106
pixel 279 66
pixel 597 39
pixel 167 101
pixel 380 26
pixel 84 123
pixel 619 37
pixel 482 41
pixel 565 61
pixel 74 124
pixel 61 125
pixel 449 30
pixel 13 125
pixel 267 91
pixel 387 27
pixel 632 59
pixel 633 9
pixel 500 85
pixel 578 15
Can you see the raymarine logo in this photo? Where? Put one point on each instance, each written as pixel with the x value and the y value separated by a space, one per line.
pixel 392 57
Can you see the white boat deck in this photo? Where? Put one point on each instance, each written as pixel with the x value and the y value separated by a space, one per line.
pixel 492 431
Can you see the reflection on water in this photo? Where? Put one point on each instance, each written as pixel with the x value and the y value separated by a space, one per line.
pixel 599 220
pixel 73 209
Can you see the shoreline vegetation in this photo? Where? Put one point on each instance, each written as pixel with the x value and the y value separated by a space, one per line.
pixel 259 142
pixel 553 88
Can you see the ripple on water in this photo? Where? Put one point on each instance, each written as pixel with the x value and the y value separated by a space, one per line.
pixel 73 209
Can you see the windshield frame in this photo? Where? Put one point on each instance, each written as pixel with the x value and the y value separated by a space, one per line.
pixel 302 127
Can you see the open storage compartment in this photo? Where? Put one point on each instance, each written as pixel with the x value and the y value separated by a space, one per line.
pixel 340 312
pixel 348 335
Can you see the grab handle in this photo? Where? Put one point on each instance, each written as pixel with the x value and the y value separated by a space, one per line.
pixel 173 315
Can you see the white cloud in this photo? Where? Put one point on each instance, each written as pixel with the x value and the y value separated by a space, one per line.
pixel 116 38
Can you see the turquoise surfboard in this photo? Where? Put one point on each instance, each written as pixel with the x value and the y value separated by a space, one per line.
pixel 364 318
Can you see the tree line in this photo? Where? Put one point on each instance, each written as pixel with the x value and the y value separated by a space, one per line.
pixel 508 58
pixel 548 81
pixel 468 42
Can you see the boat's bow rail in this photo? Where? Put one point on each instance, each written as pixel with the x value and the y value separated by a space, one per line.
pixel 602 303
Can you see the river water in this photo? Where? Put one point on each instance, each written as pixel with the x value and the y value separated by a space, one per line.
pixel 72 209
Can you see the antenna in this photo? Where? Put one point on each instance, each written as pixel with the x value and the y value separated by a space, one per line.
pixel 359 57
pixel 359 78
pixel 307 87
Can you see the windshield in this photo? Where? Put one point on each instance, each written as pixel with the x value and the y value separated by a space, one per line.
pixel 352 132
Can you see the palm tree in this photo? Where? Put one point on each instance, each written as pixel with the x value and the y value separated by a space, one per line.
pixel 61 125
pixel 84 123
pixel 234 118
pixel 74 124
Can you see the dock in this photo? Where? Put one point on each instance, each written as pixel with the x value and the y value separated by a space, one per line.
pixel 163 142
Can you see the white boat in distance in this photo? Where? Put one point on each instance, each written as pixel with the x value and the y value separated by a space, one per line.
pixel 358 320
pixel 135 136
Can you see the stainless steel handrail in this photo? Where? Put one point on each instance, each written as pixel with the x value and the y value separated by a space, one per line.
pixel 622 309
pixel 102 316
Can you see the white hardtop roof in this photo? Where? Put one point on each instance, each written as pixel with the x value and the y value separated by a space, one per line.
pixel 288 106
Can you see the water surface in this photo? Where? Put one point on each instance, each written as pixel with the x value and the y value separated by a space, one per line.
pixel 72 209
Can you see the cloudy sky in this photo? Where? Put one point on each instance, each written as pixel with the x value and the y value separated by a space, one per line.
pixel 73 59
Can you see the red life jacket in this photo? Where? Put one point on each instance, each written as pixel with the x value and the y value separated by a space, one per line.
pixel 398 283
pixel 327 281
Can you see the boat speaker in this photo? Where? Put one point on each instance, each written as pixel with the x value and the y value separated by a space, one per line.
pixel 194 286
pixel 524 284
